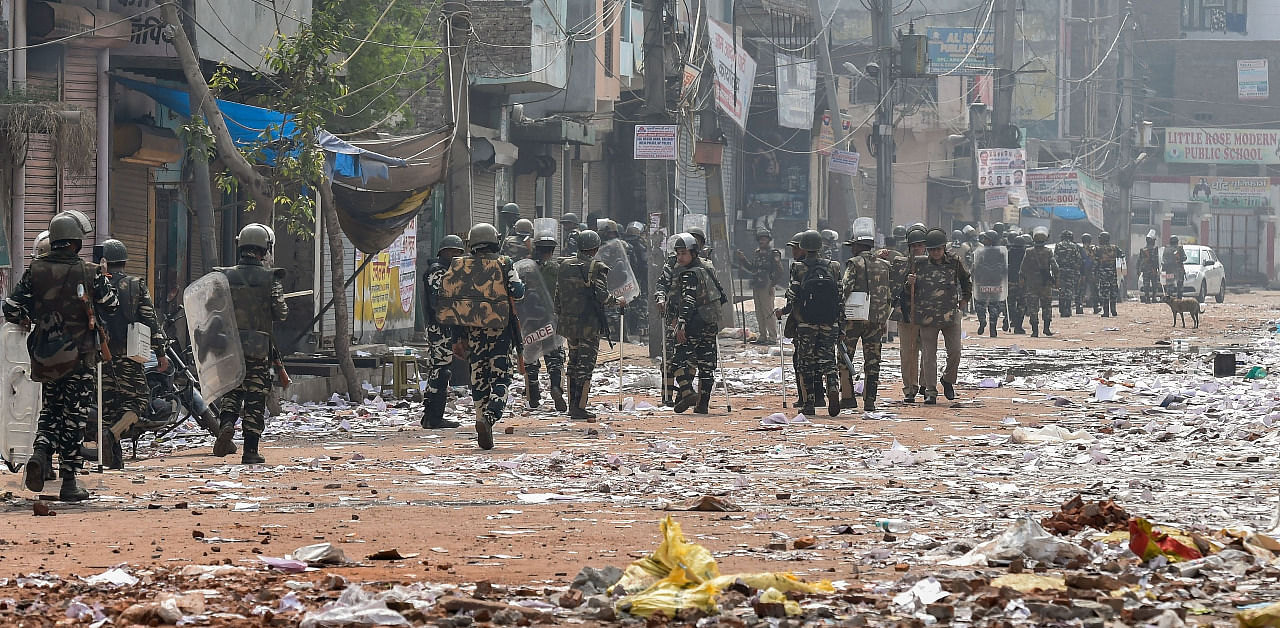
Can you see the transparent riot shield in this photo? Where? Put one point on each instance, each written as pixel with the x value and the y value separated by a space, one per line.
pixel 536 312
pixel 990 274
pixel 545 229
pixel 695 221
pixel 622 279
pixel 215 341
pixel 20 399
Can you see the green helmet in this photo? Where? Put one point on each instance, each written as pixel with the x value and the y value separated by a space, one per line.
pixel 1104 237
pixel 1067 236
pixel 1024 239
pixel 989 237
pixel 255 235
pixel 811 241
pixel 795 240
pixel 1086 238
pixel 763 233
pixel 524 226
pixel 68 226
pixel 935 238
pixel 999 227
pixel 588 240
pixel 450 242
pixel 511 208
pixel 482 233
pixel 570 219
pixel 41 245
pixel 915 236
pixel 899 232
pixel 701 237
pixel 114 251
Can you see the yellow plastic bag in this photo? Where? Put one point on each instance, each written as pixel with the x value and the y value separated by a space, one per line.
pixel 774 596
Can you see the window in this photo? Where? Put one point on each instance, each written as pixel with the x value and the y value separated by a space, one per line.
pixel 1222 16
pixel 1202 116
pixel 608 52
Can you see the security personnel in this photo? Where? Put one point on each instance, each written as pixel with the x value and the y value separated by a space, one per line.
pixel 507 218
pixel 897 240
pixel 124 382
pixel 489 349
pixel 694 313
pixel 1016 298
pixel 1088 288
pixel 440 339
pixel 40 246
pixel 791 326
pixel 898 268
pixel 813 298
pixel 661 290
pixel 866 273
pixel 609 231
pixel 581 298
pixel 704 251
pixel 1149 268
pixel 990 280
pixel 939 287
pixel 569 226
pixel 258 299
pixel 765 266
pixel 1104 257
pixel 909 350
pixel 637 316
pixel 830 245
pixel 60 297
pixel 543 253
pixel 1070 259
pixel 518 245
pixel 1173 262
pixel 1039 276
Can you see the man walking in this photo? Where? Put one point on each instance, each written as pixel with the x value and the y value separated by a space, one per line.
pixel 440 340
pixel 940 288
pixel 1149 268
pixel 813 298
pixel 582 297
pixel 1173 262
pixel 1039 276
pixel 1069 258
pixel 1105 257
pixel 765 266
pixel 909 349
pixel 696 319
pixel 867 297
pixel 990 282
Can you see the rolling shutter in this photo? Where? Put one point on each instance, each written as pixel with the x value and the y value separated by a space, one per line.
pixel 132 206
pixel 80 89
pixel 41 189
pixel 483 200
pixel 526 195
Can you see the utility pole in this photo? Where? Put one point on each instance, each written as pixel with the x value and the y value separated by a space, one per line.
pixel 655 170
pixel 828 74
pixel 457 18
pixel 882 134
pixel 1127 88
pixel 1003 135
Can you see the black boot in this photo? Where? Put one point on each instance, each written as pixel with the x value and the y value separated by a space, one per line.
pixel 1005 325
pixel 704 402
pixel 982 327
pixel 250 455
pixel 1113 308
pixel 70 491
pixel 685 398
pixel 993 328
pixel 40 462
pixel 557 390
pixel 578 401
pixel 1035 329
pixel 1047 331
pixel 533 392
pixel 434 414
pixel 224 445
pixel 948 389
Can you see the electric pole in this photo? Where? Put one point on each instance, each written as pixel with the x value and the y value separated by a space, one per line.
pixel 655 170
pixel 1003 134
pixel 837 119
pixel 457 214
pixel 882 134
pixel 1127 84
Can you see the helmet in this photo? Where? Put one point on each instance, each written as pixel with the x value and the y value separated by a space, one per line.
pixel 915 236
pixel 811 241
pixel 635 228
pixel 935 238
pixel 763 233
pixel 569 218
pixel 957 235
pixel 256 235
pixel 482 233
pixel 697 233
pixel 1104 237
pixel 969 231
pixel 1040 235
pixel 114 251
pixel 66 226
pixel 899 232
pixel 511 208
pixel 999 228
pixel 1067 236
pixel 830 235
pixel 524 226
pixel 1151 234
pixel 588 240
pixel 1086 238
pixel 1173 240
pixel 41 245
pixel 684 241
pixel 864 230
pixel 795 240
pixel 610 229
pixel 450 242
pixel 81 218
pixel 1024 239
pixel 918 225
pixel 989 237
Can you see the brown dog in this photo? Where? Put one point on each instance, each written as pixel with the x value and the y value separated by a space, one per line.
pixel 1182 307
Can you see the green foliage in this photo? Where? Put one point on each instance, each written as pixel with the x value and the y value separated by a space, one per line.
pixel 399 59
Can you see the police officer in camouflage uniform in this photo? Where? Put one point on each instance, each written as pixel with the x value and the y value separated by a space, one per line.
pixel 569 226
pixel 694 315
pixel 897 240
pixel 125 395
pixel 1173 262
pixel 609 231
pixel 990 271
pixel 1087 291
pixel 258 298
pixel 830 245
pixel 1015 301
pixel 662 288
pixel 637 314
pixel 898 269
pixel 909 352
pixel 765 266
pixel 62 297
pixel 1039 276
pixel 518 245
pixel 549 267
pixel 1104 257
pixel 1070 259
pixel 819 318
pixel 507 218
pixel 1149 268
pixel 582 297
pixel 440 339
pixel 867 273
pixel 939 288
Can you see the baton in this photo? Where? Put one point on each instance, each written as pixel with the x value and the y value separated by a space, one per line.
pixel 300 293
pixel 782 366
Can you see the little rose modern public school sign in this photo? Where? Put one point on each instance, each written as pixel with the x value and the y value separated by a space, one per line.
pixel 1221 146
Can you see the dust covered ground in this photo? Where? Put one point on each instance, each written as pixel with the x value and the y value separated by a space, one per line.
pixel 873 503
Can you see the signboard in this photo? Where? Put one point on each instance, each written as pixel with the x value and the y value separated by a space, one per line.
pixel 997 198
pixel 735 73
pixel 1001 167
pixel 1252 79
pixel 827 135
pixel 385 289
pixel 1067 193
pixel 655 141
pixel 1231 192
pixel 797 80
pixel 844 162
pixel 961 51
pixel 1184 145
pixel 689 81
pixel 1091 195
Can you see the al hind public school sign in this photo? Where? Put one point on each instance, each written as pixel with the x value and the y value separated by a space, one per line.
pixel 1222 146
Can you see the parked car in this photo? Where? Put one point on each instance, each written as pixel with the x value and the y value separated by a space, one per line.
pixel 1205 273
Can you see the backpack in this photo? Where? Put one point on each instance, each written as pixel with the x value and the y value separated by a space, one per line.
pixel 818 299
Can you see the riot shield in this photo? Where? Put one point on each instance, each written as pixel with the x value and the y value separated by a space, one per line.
pixel 695 221
pixel 990 274
pixel 215 340
pixel 20 399
pixel 545 229
pixel 622 280
pixel 536 312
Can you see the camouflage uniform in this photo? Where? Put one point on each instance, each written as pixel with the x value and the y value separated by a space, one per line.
pixel 439 350
pixel 661 290
pixel 516 247
pixel 61 325
pixel 489 349
pixel 124 381
pixel 1149 268
pixel 815 344
pixel 582 296
pixel 990 270
pixel 1039 275
pixel 1087 290
pixel 637 315
pixel 613 314
pixel 259 299
pixel 569 247
pixel 908 332
pixel 696 311
pixel 1069 258
pixel 939 287
pixel 866 273
pixel 1015 301
pixel 765 266
pixel 554 359
pixel 1105 256
pixel 1173 264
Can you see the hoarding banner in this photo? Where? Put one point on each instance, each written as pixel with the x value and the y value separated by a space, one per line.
pixel 1189 145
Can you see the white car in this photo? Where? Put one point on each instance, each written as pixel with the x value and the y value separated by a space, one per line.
pixel 1205 273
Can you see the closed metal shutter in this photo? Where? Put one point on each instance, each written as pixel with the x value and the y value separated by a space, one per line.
pixel 80 89
pixel 692 188
pixel 132 208
pixel 483 198
pixel 41 189
pixel 526 195
pixel 598 190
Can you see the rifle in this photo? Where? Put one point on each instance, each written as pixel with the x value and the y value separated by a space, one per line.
pixel 103 338
pixel 597 307
pixel 277 361
pixel 517 339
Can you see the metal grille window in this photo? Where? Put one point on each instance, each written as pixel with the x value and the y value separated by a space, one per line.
pixel 608 52
pixel 1223 16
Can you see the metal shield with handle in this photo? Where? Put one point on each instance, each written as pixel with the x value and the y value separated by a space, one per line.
pixel 20 399
pixel 545 230
pixel 622 279
pixel 536 312
pixel 695 221
pixel 991 274
pixel 215 340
